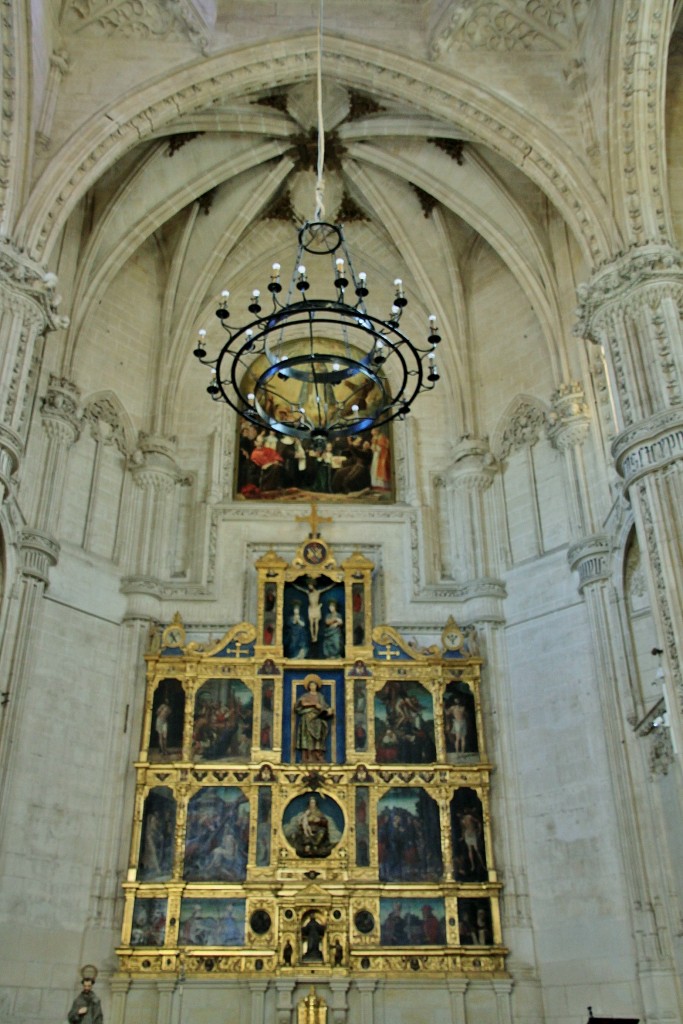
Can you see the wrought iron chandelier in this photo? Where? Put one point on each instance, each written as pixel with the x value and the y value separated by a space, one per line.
pixel 320 368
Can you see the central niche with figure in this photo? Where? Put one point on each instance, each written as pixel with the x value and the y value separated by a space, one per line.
pixel 313 791
pixel 314 619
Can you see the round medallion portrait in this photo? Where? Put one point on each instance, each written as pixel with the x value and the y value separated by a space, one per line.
pixel 313 824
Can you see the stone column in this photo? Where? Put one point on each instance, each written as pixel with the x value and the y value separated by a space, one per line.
pixel 568 424
pixel 60 416
pixel 632 307
pixel 59 67
pixel 28 309
pixel 645 881
pixel 38 552
pixel 470 517
pixel 155 473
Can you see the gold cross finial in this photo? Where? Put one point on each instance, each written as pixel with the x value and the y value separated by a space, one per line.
pixel 314 519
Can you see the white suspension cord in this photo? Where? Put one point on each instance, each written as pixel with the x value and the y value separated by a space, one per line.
pixel 320 183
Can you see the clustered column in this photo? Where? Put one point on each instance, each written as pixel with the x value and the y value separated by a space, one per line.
pixel 632 307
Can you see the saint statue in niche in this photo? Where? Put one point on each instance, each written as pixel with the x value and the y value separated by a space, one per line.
pixel 312 723
pixel 312 934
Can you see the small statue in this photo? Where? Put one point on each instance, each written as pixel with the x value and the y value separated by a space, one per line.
pixel 337 953
pixel 287 953
pixel 86 1007
pixel 312 933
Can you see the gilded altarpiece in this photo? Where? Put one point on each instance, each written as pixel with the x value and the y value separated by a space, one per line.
pixel 312 793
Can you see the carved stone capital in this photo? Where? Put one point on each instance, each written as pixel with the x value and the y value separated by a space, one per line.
pixel 60 410
pixel 28 289
pixel 649 446
pixel 473 467
pixel 590 558
pixel 626 281
pixel 39 552
pixel 568 420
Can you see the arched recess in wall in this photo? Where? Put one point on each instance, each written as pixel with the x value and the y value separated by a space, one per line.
pixel 97 483
pixel 531 485
pixel 643 684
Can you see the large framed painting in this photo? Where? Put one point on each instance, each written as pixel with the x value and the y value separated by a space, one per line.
pixel 275 467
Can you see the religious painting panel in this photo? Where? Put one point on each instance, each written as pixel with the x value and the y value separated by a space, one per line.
pixel 168 715
pixel 275 467
pixel 412 921
pixel 474 921
pixel 267 720
pixel 313 824
pixel 404 724
pixel 358 613
pixel 360 715
pixel 460 723
pixel 314 619
pixel 362 827
pixel 211 922
pixel 155 863
pixel 408 836
pixel 263 826
pixel 312 729
pixel 467 832
pixel 269 613
pixel 149 921
pixel 217 835
pixel 223 719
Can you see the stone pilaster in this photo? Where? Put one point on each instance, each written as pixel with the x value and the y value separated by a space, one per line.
pixel 258 991
pixel 284 1006
pixel 118 792
pixel 366 988
pixel 508 812
pixel 456 991
pixel 503 993
pixel 165 988
pixel 636 815
pixel 119 986
pixel 339 1005
pixel 28 309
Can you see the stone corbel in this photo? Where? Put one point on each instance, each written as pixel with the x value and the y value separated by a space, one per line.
pixel 473 467
pixel 590 557
pixel 569 419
